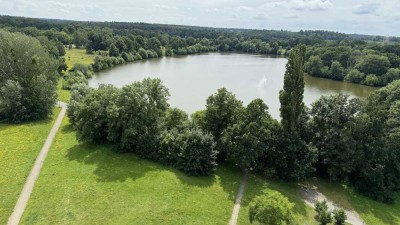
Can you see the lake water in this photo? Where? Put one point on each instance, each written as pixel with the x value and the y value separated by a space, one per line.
pixel 191 79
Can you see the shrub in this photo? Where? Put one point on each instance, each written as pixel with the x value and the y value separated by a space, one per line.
pixel 189 150
pixel 87 70
pixel 323 215
pixel 340 216
pixel 72 78
pixel 354 76
pixel 271 208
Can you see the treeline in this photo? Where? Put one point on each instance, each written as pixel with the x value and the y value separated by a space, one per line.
pixel 332 55
pixel 361 62
pixel 346 140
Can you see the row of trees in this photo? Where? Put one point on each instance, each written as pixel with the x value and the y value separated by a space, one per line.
pixel 357 62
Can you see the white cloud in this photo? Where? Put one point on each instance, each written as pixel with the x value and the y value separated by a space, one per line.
pixel 313 5
pixel 363 9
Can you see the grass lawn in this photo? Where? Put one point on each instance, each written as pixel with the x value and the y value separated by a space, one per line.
pixel 19 146
pixel 72 56
pixel 76 55
pixel 90 184
pixel 257 185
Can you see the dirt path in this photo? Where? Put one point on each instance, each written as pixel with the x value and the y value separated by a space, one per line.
pixel 236 208
pixel 34 174
pixel 311 195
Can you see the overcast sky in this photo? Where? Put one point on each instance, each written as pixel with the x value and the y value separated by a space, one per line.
pixel 379 17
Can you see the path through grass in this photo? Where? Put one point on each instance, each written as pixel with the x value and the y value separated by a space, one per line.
pixel 19 147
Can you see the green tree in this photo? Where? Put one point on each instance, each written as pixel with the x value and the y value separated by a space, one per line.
pixel 190 150
pixel 315 67
pixel 336 71
pixel 251 137
pixel 113 51
pixel 324 216
pixel 374 64
pixel 272 208
pixel 340 216
pixel 175 118
pixel 220 110
pixel 27 70
pixel 354 76
pixel 71 78
pixel 136 117
pixel 291 97
pixel 294 156
pixel 330 116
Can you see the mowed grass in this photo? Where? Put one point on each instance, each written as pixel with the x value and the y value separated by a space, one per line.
pixel 91 184
pixel 72 56
pixel 258 185
pixel 19 146
pixel 75 55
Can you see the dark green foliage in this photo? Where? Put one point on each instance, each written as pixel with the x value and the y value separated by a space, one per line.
pixel 330 117
pixel 176 118
pixel 113 51
pixel 354 76
pixel 340 216
pixel 337 72
pixel 375 132
pixel 30 74
pixel 315 67
pixel 324 216
pixel 199 119
pixel 78 93
pixel 291 97
pixel 220 110
pixel 294 157
pixel 374 64
pixel 189 150
pixel 91 114
pixel 271 208
pixel 136 116
pixel 71 78
pixel 252 137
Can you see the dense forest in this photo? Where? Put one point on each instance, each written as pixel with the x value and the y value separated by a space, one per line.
pixel 368 60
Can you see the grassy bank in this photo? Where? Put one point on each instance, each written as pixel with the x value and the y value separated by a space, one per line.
pixel 19 146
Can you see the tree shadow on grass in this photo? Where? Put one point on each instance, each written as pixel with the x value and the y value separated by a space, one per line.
pixel 258 185
pixel 119 167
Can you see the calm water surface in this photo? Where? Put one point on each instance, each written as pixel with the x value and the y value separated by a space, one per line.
pixel 191 79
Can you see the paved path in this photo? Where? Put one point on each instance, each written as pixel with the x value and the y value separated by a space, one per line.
pixel 311 196
pixel 236 208
pixel 34 174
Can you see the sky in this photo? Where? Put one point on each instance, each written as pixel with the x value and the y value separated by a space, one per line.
pixel 376 17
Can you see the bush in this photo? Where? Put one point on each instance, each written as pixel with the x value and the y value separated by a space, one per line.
pixel 323 215
pixel 371 80
pixel 72 78
pixel 86 70
pixel 271 208
pixel 189 150
pixel 354 76
pixel 340 216
pixel 78 93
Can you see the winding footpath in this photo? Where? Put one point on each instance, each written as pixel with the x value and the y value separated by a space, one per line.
pixel 34 174
pixel 236 208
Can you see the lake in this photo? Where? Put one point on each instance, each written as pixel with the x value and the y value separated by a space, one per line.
pixel 191 79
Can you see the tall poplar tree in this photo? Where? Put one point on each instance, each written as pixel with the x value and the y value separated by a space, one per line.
pixel 291 97
pixel 294 153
